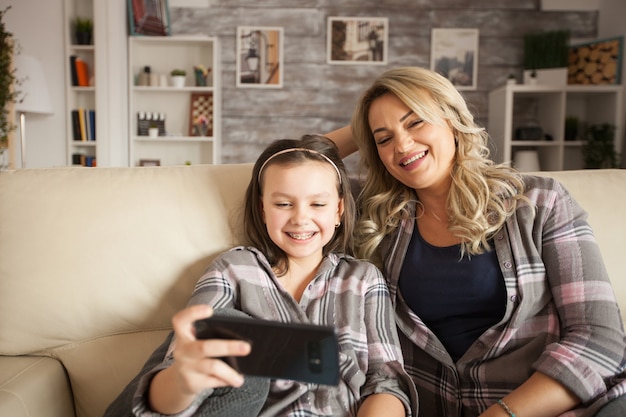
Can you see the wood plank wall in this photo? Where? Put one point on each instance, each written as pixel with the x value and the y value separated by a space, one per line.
pixel 317 97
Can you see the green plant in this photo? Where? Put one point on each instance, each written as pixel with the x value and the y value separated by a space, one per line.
pixel 546 49
pixel 178 72
pixel 599 149
pixel 7 79
pixel 83 25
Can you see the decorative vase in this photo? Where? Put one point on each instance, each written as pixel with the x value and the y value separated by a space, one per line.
pixel 153 132
pixel 526 161
pixel 178 81
pixel 202 79
pixel 201 130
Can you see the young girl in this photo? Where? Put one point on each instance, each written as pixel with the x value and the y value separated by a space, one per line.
pixel 299 217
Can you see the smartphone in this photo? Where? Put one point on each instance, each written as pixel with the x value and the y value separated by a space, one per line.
pixel 295 351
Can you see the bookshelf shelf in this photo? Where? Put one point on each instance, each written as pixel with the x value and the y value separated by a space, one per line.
pixel 172 106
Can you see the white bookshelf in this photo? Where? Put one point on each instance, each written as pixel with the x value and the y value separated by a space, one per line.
pixel 178 145
pixel 552 104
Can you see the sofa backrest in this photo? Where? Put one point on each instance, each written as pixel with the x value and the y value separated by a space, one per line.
pixel 602 193
pixel 94 262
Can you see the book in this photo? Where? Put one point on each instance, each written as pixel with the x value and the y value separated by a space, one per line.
pixel 87 124
pixel 75 125
pixel 76 159
pixel 82 72
pixel 92 124
pixel 81 119
pixel 73 72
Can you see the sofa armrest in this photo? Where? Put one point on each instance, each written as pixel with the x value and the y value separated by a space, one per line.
pixel 34 386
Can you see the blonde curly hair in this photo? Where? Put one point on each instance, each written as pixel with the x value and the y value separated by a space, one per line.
pixel 482 194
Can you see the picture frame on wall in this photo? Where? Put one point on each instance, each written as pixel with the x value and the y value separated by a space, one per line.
pixel 149 18
pixel 454 54
pixel 357 40
pixel 201 114
pixel 259 57
pixel 596 62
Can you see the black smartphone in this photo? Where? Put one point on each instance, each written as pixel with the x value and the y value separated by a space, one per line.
pixel 300 352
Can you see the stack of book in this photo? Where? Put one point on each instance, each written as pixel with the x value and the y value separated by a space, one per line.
pixel 84 124
pixel 83 160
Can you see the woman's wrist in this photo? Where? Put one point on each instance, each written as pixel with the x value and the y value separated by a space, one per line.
pixel 506 408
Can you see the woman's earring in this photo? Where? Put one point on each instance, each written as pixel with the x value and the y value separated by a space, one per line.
pixel 337 225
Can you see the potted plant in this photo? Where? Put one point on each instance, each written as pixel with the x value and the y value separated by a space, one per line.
pixel 8 94
pixel 511 79
pixel 83 30
pixel 546 55
pixel 153 130
pixel 178 77
pixel 599 149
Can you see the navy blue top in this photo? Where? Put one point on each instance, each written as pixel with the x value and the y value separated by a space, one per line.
pixel 458 299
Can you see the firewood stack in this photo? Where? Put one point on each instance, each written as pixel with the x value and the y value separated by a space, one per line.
pixel 594 63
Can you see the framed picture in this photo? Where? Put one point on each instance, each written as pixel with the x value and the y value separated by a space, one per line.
pixel 357 40
pixel 149 162
pixel 259 57
pixel 201 114
pixel 454 54
pixel 149 17
pixel 597 62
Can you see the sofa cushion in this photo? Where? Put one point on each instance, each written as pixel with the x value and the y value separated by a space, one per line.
pixel 99 368
pixel 33 386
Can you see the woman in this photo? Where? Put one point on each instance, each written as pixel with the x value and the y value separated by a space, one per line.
pixel 502 300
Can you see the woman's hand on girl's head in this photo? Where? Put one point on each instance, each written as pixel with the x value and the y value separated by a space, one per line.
pixel 196 365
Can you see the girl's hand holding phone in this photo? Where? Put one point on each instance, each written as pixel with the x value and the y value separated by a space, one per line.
pixel 197 361
pixel 196 366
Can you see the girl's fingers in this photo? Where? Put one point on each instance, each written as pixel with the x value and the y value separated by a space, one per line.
pixel 219 373
pixel 183 320
pixel 217 348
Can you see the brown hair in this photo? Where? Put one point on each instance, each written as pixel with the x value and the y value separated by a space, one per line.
pixel 308 148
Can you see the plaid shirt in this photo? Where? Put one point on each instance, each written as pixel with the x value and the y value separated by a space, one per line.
pixel 349 294
pixel 561 316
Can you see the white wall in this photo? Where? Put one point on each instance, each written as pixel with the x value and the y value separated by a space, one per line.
pixel 37 27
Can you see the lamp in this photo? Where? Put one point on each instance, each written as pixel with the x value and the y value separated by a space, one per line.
pixel 33 91
pixel 252 59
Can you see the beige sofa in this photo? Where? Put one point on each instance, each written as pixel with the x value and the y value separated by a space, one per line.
pixel 94 262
